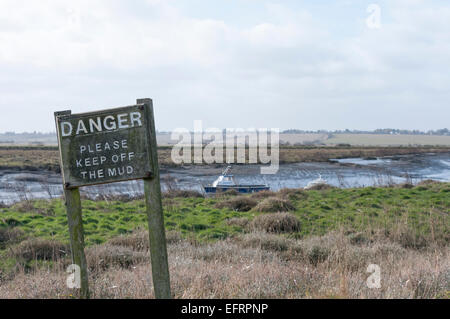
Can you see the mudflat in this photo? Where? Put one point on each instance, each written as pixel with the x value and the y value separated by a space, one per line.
pixel 47 158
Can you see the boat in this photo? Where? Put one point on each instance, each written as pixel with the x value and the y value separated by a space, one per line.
pixel 227 182
pixel 316 182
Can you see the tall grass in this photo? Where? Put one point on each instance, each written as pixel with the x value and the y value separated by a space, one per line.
pixel 255 265
pixel 320 249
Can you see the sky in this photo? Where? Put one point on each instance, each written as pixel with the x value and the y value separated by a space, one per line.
pixel 231 63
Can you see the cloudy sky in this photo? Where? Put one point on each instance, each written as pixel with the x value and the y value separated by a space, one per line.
pixel 231 63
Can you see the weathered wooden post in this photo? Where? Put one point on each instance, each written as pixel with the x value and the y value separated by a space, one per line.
pixel 74 217
pixel 75 221
pixel 111 146
pixel 157 234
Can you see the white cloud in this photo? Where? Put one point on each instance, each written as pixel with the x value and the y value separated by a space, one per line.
pixel 288 70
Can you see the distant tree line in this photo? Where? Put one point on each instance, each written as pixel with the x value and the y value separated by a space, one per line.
pixel 34 138
pixel 442 132
pixel 32 134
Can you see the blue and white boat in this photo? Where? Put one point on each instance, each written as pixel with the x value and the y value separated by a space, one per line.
pixel 227 182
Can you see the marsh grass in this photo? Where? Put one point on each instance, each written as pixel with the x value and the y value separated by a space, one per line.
pixel 106 256
pixel 241 222
pixel 39 249
pixel 274 204
pixel 182 194
pixel 239 204
pixel 293 193
pixel 10 235
pixel 320 249
pixel 254 265
pixel 276 223
pixel 414 216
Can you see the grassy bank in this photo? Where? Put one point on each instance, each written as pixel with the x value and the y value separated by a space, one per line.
pixel 46 158
pixel 242 246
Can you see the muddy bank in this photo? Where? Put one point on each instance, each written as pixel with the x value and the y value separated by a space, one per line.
pixel 348 172
pixel 47 159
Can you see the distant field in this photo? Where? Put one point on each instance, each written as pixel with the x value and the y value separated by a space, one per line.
pixel 299 139
pixel 292 139
pixel 296 139
pixel 387 140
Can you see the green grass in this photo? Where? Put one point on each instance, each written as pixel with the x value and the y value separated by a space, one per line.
pixel 424 210
pixel 411 216
pixel 103 221
pixel 414 218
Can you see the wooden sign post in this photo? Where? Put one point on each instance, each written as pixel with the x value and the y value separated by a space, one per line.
pixel 112 146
